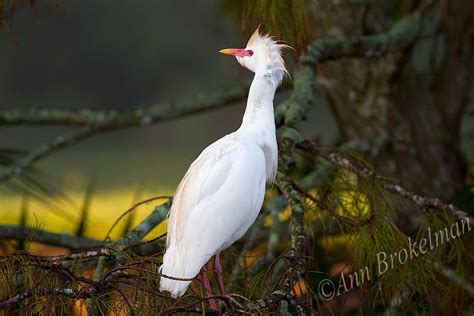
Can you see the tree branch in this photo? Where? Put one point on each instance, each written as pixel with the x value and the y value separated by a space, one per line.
pixel 420 200
pixel 293 111
pixel 55 239
pixel 76 243
pixel 146 226
pixel 106 120
pixel 45 292
pixel 400 36
pixel 119 119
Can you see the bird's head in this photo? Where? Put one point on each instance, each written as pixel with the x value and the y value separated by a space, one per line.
pixel 261 55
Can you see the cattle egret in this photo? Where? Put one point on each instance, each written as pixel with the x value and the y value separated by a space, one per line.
pixel 222 192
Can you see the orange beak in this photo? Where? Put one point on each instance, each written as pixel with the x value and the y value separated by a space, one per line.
pixel 228 51
pixel 241 52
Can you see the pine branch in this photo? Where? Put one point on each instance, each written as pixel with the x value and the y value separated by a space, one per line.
pixel 297 231
pixel 119 119
pixel 424 202
pixel 131 240
pixel 86 254
pixel 106 120
pixel 55 239
pixel 123 244
pixel 68 292
pixel 292 111
pixel 146 226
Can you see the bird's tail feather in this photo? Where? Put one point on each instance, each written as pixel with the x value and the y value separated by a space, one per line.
pixel 177 264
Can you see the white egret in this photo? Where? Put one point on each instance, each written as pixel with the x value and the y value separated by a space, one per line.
pixel 222 192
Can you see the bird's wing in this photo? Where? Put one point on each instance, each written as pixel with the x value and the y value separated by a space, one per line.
pixel 216 202
pixel 203 179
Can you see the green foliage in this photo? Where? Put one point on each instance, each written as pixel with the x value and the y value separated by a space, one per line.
pixel 285 20
pixel 257 285
pixel 355 220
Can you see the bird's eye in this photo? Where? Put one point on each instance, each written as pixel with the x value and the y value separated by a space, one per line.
pixel 250 52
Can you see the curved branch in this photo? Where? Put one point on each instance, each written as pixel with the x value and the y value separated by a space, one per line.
pixel 146 226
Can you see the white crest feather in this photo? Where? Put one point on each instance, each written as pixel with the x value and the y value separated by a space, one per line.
pixel 276 66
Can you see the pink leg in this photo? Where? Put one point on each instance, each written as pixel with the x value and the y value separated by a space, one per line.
pixel 207 287
pixel 218 272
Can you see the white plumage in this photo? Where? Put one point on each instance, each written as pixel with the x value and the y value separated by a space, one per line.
pixel 222 192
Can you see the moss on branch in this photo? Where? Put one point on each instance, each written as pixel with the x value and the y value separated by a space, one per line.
pixel 424 202
pixel 119 119
pixel 293 110
pixel 146 226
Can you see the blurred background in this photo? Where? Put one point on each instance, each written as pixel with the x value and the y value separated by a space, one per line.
pixel 408 114
pixel 119 55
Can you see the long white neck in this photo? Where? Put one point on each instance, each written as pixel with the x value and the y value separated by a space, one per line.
pixel 259 119
pixel 259 110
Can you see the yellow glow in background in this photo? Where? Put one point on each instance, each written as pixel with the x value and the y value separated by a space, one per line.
pixel 106 206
